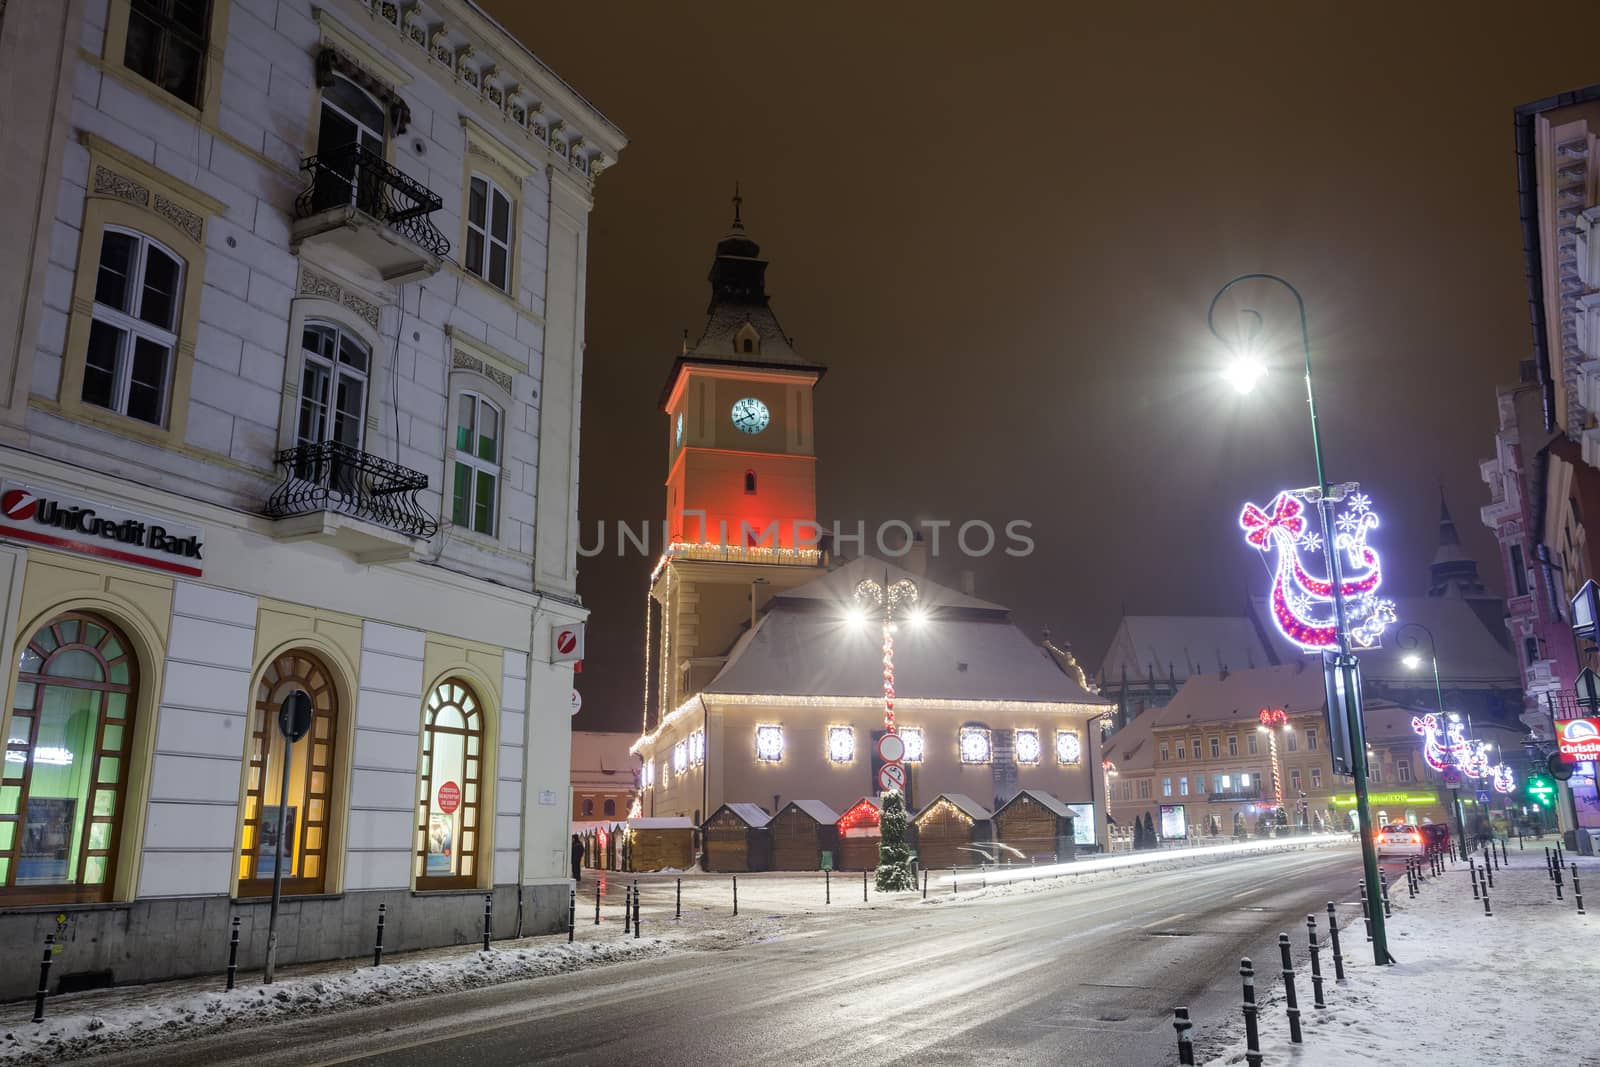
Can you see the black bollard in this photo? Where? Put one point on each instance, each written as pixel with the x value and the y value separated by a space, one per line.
pixel 1488 869
pixel 1181 1023
pixel 1577 891
pixel 1558 883
pixel 1411 881
pixel 377 945
pixel 953 888
pixel 233 953
pixel 1366 917
pixel 44 977
pixel 1383 891
pixel 736 894
pixel 627 908
pixel 597 901
pixel 638 924
pixel 1549 871
pixel 1252 1040
pixel 1520 846
pixel 827 887
pixel 1291 1002
pixel 1474 882
pixel 677 903
pixel 1316 962
pixel 488 919
pixel 925 883
pixel 1333 941
pixel 1494 857
pixel 1486 909
pixel 863 887
pixel 1503 857
pixel 572 914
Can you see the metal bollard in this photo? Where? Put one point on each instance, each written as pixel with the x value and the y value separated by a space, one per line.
pixel 925 884
pixel 677 903
pixel 1493 855
pixel 1181 1023
pixel 233 953
pixel 597 902
pixel 1366 918
pixel 638 923
pixel 1333 940
pixel 827 887
pixel 1474 883
pixel 1503 857
pixel 572 915
pixel 1577 891
pixel 377 944
pixel 1558 883
pixel 1411 881
pixel 1316 962
pixel 1252 1040
pixel 44 977
pixel 1549 865
pixel 1486 909
pixel 627 908
pixel 1291 1002
pixel 1519 841
pixel 1383 891
pixel 863 887
pixel 488 919
pixel 736 894
pixel 953 888
pixel 1488 870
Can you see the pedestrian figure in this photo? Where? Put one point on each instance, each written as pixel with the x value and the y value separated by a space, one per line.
pixel 577 858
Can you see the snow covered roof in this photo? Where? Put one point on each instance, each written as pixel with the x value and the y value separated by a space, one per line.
pixel 752 815
pixel 839 587
pixel 1045 800
pixel 803 647
pixel 971 808
pixel 816 809
pixel 1182 645
pixel 662 822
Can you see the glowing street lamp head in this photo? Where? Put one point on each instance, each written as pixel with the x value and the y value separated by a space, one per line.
pixel 917 616
pixel 856 616
pixel 1412 661
pixel 1243 372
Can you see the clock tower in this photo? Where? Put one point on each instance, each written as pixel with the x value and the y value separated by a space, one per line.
pixel 741 485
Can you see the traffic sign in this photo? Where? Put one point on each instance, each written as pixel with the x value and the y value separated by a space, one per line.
pixel 1483 796
pixel 891 748
pixel 1451 776
pixel 892 778
pixel 294 717
pixel 577 702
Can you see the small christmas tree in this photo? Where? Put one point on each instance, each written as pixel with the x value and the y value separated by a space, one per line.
pixel 1138 833
pixel 1149 832
pixel 894 857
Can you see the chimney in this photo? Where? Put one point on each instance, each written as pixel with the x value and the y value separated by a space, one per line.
pixel 969 583
pixel 915 561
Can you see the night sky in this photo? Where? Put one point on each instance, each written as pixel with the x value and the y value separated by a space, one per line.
pixel 1001 235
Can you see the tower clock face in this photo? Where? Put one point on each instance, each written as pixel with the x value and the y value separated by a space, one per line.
pixel 750 415
pixel 680 430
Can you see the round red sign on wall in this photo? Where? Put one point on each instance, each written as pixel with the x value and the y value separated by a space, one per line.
pixel 449 798
pixel 566 641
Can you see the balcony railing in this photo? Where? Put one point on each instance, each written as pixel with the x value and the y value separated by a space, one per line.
pixel 1252 792
pixel 334 477
pixel 351 176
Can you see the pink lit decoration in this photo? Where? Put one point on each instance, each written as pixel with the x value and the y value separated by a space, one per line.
pixel 1273 717
pixel 1448 747
pixel 888 677
pixel 1505 779
pixel 1302 603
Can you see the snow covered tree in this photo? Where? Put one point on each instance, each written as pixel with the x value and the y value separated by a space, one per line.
pixel 1149 832
pixel 894 857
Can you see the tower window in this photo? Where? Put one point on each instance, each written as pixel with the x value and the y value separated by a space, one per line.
pixel 749 345
pixel 750 482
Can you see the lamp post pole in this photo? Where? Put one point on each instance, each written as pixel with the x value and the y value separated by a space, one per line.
pixel 1352 713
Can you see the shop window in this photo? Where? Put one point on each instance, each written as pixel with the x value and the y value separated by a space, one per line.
pixel 133 329
pixel 488 252
pixel 477 464
pixel 166 44
pixel 450 789
pixel 63 785
pixel 307 818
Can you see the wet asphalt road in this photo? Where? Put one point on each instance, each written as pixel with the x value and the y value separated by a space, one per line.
pixel 1081 974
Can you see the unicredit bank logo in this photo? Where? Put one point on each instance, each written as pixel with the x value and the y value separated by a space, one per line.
pixel 47 517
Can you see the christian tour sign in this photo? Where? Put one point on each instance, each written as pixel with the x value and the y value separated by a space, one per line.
pixel 45 516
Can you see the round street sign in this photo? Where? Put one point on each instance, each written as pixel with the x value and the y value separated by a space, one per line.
pixel 1451 776
pixel 892 778
pixel 1559 768
pixel 294 717
pixel 577 702
pixel 449 798
pixel 891 748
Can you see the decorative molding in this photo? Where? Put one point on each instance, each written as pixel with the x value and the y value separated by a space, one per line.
pixel 120 164
pixel 340 36
pixel 365 308
pixel 181 217
pixel 108 182
pixel 324 288
pixel 483 143
pixel 487 355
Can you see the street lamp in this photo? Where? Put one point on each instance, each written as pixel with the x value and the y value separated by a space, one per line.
pixel 1405 638
pixel 1241 374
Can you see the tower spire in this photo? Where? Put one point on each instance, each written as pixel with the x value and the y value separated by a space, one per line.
pixel 738 203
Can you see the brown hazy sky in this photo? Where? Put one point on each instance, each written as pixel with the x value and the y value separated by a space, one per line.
pixel 1000 225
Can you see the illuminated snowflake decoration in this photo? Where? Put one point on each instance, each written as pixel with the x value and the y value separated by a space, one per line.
pixel 1027 746
pixel 841 744
pixel 912 736
pixel 680 757
pixel 1303 603
pixel 975 746
pixel 1069 750
pixel 769 743
pixel 697 747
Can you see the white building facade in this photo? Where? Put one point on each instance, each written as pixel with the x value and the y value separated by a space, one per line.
pixel 294 298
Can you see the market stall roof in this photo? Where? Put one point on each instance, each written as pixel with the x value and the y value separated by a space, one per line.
pixel 752 815
pixel 1043 799
pixel 969 807
pixel 816 809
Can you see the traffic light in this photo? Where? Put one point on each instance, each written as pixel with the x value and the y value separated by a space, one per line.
pixel 1540 790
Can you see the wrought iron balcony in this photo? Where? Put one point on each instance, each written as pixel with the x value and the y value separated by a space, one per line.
pixel 332 477
pixel 359 199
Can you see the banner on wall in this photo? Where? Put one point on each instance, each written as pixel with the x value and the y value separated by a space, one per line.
pixel 41 515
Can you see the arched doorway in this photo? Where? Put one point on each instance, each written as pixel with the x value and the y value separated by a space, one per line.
pixel 450 789
pixel 307 823
pixel 64 783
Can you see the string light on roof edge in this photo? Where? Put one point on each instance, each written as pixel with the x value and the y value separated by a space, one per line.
pixel 1303 604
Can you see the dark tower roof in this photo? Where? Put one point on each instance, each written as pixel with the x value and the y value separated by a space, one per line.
pixel 1453 572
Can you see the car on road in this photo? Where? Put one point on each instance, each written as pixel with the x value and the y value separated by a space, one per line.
pixel 1400 839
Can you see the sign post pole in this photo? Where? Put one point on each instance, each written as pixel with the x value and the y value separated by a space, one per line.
pixel 294 720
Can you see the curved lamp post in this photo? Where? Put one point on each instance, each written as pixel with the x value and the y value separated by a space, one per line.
pixel 1406 637
pixel 1243 374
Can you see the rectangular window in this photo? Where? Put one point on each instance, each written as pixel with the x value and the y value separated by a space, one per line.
pixel 1227 782
pixel 488 252
pixel 1166 753
pixel 1374 770
pixel 167 44
pixel 1530 649
pixel 1402 770
pixel 133 332
pixel 1127 790
pixel 1183 787
pixel 1144 789
pixel 1316 778
pixel 477 464
pixel 1166 787
pixel 1182 750
pixel 1244 780
pixel 1294 779
pixel 1233 746
pixel 1311 739
pixel 1519 571
pixel 1250 741
pixel 1216 749
pixel 1289 740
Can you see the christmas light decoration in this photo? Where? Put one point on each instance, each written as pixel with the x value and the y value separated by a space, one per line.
pixel 769 743
pixel 680 757
pixel 862 814
pixel 1026 744
pixel 841 744
pixel 712 550
pixel 975 745
pixel 912 736
pixel 1303 604
pixel 1505 779
pixel 1069 750
pixel 888 596
pixel 945 808
pixel 697 747
pixel 1449 747
pixel 1272 720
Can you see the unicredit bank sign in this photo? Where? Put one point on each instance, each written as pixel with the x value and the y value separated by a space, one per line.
pixel 43 516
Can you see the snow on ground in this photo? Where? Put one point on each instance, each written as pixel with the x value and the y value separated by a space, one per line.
pixel 1516 987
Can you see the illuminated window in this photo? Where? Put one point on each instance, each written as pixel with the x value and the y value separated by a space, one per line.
pixel 450 789
pixel 307 821
pixel 769 743
pixel 1069 750
pixel 649 776
pixel 975 744
pixel 1166 787
pixel 1183 787
pixel 1225 783
pixel 1027 746
pixel 912 736
pixel 680 757
pixel 64 779
pixel 1244 780
pixel 841 744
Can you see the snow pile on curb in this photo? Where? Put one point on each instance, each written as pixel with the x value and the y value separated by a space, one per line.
pixel 74 1035
pixel 1468 987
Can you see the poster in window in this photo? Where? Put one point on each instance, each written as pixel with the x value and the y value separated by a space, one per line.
pixel 441 843
pixel 46 840
pixel 267 846
pixel 1082 823
pixel 1174 824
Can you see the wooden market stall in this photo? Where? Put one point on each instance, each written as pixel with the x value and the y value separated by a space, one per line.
pixel 858 836
pixel 1037 825
pixel 948 828
pixel 660 844
pixel 736 839
pixel 801 833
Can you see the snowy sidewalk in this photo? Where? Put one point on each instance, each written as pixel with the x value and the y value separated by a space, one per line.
pixel 1512 988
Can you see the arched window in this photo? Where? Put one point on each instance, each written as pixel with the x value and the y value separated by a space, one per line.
pixel 352 128
pixel 64 782
pixel 750 481
pixel 611 807
pixel 588 807
pixel 476 484
pixel 133 330
pixel 306 818
pixel 450 788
